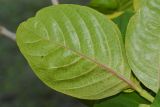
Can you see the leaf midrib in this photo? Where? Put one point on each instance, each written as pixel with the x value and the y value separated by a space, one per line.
pixel 105 67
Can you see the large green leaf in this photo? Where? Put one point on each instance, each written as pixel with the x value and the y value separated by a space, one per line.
pixel 122 100
pixel 143 44
pixel 75 50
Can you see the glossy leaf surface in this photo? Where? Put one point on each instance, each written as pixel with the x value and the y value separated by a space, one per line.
pixel 143 44
pixel 69 47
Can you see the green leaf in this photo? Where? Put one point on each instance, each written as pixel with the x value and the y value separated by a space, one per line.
pixel 156 102
pixel 122 22
pixel 143 44
pixel 75 50
pixel 111 6
pixel 104 6
pixel 122 100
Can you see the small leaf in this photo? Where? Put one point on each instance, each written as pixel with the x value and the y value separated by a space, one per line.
pixel 122 100
pixel 75 50
pixel 143 44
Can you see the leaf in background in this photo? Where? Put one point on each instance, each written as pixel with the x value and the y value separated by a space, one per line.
pixel 125 5
pixel 112 7
pixel 104 6
pixel 122 100
pixel 122 22
pixel 75 50
pixel 143 44
pixel 156 102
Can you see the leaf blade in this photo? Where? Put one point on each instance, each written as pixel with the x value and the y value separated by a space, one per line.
pixel 142 44
pixel 50 46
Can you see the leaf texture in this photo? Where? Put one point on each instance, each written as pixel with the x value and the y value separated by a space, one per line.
pixel 69 46
pixel 143 44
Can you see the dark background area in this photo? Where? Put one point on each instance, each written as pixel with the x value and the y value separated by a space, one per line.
pixel 19 87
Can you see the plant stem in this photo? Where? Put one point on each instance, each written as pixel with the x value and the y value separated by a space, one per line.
pixel 55 2
pixel 7 33
pixel 145 94
pixel 144 105
pixel 142 92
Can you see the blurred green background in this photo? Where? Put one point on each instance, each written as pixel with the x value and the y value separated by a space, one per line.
pixel 19 87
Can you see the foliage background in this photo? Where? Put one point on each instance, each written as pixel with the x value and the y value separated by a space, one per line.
pixel 19 87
